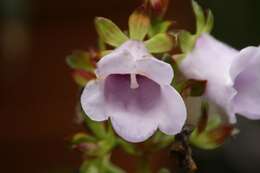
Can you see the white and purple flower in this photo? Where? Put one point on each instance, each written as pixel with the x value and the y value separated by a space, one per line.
pixel 134 90
pixel 233 77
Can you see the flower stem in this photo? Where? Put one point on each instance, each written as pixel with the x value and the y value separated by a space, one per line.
pixel 143 164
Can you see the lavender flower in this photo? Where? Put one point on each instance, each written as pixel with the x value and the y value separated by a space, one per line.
pixel 233 81
pixel 133 90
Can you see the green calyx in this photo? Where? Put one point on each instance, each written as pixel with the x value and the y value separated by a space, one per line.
pixel 139 24
pixel 204 24
pixel 213 135
pixel 141 27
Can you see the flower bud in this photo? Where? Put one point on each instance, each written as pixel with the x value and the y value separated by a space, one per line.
pixel 159 7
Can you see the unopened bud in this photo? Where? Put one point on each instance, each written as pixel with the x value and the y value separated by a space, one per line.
pixel 159 6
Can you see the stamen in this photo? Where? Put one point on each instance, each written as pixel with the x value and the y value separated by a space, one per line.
pixel 133 81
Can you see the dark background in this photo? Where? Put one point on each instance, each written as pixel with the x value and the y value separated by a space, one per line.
pixel 38 96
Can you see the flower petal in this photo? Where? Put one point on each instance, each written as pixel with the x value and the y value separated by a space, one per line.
pixel 246 57
pixel 136 48
pixel 134 112
pixel 133 128
pixel 222 94
pixel 117 62
pixel 122 60
pixel 210 59
pixel 174 111
pixel 155 69
pixel 92 101
pixel 245 72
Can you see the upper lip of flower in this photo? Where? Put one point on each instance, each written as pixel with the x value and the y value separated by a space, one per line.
pixel 136 60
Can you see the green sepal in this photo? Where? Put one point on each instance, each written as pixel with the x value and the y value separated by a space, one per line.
pixel 162 140
pixel 110 167
pixel 80 60
pixel 158 26
pixel 186 41
pixel 204 24
pixel 178 58
pixel 105 147
pixel 160 43
pixel 213 136
pixel 139 24
pixel 96 128
pixel 105 52
pixel 101 45
pixel 199 15
pixel 82 138
pixel 110 32
pixel 81 77
pixel 128 147
pixel 209 22
pixel 90 166
pixel 100 165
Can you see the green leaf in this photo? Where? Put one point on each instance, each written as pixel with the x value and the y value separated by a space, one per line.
pixel 159 26
pixel 139 23
pixel 186 41
pixel 160 43
pixel 110 32
pixel 80 60
pixel 200 17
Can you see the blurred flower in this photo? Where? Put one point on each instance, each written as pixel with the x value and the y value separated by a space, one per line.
pixel 233 80
pixel 133 89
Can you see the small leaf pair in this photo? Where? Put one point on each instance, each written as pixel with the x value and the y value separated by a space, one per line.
pixel 204 24
pixel 139 26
